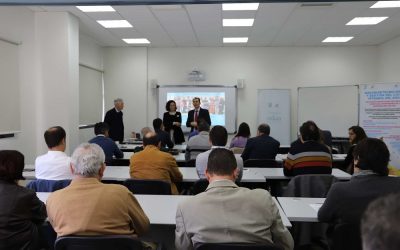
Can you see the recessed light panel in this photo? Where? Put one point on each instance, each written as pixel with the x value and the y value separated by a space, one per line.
pixel 240 6
pixel 115 23
pixel 236 39
pixel 337 39
pixel 237 22
pixel 136 40
pixel 366 20
pixel 386 4
pixel 99 8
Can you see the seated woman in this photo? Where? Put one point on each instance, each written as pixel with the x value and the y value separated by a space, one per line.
pixel 240 139
pixel 308 156
pixel 20 209
pixel 356 134
pixel 347 201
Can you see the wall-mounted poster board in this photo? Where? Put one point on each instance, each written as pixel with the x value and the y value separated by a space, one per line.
pixel 273 108
pixel 333 108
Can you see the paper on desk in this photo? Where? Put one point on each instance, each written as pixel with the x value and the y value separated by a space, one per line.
pixel 316 206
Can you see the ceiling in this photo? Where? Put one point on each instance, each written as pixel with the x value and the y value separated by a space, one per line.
pixel 275 24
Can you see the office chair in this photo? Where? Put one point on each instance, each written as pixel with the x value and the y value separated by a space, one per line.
pixel 236 246
pixel 140 186
pixel 103 242
pixel 191 163
pixel 199 186
pixel 41 185
pixel 346 237
pixel 260 163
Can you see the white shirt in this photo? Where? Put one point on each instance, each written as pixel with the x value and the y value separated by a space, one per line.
pixel 53 166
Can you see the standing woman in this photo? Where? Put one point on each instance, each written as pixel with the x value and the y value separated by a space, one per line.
pixel 356 134
pixel 21 211
pixel 172 120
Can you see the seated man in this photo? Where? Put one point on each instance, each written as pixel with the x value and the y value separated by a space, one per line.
pixel 199 141
pixel 347 201
pixel 163 136
pixel 109 147
pixel 262 146
pixel 89 207
pixel 226 213
pixel 55 164
pixel 309 156
pixel 143 132
pixel 218 139
pixel 151 163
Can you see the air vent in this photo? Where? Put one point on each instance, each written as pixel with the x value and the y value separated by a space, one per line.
pixel 316 5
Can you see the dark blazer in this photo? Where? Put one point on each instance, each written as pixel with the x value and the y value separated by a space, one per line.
pixel 21 212
pixel 164 138
pixel 168 120
pixel 109 147
pixel 114 119
pixel 261 147
pixel 203 114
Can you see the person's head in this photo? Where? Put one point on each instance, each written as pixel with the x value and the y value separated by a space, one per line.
pixel 11 166
pixel 221 163
pixel 145 130
pixel 157 124
pixel 171 106
pixel 309 131
pixel 379 224
pixel 196 102
pixel 371 154
pixel 202 125
pixel 263 129
pixel 244 130
pixel 55 137
pixel 151 138
pixel 218 136
pixel 119 104
pixel 87 161
pixel 356 134
pixel 101 128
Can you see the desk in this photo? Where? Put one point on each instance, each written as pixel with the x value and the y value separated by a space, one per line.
pixel 277 174
pixel 179 157
pixel 301 209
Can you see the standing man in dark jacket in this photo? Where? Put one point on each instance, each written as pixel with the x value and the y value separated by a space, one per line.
pixel 114 119
pixel 197 113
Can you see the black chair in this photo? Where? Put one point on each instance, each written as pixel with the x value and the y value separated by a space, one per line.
pixel 260 163
pixel 140 186
pixel 236 246
pixel 346 237
pixel 41 185
pixel 191 163
pixel 103 242
pixel 199 186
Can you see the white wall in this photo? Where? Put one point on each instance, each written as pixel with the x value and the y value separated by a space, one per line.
pixel 389 61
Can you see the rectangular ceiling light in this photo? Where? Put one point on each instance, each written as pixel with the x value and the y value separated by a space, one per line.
pixel 240 6
pixel 100 8
pixel 236 39
pixel 337 39
pixel 366 20
pixel 115 23
pixel 136 40
pixel 386 4
pixel 237 22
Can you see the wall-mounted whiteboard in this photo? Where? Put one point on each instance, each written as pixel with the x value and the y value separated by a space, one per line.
pixel 273 108
pixel 333 108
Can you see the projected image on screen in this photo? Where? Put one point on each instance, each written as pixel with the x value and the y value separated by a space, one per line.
pixel 213 101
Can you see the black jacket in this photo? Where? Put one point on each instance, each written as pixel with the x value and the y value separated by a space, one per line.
pixel 203 114
pixel 114 119
pixel 261 147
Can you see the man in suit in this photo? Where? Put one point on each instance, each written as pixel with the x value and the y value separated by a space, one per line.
pixel 114 119
pixel 226 213
pixel 109 147
pixel 197 113
pixel 262 146
pixel 163 136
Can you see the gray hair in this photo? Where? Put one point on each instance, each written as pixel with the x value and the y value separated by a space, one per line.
pixel 87 159
pixel 118 100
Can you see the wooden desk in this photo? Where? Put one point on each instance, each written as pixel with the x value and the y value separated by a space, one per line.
pixel 301 209
pixel 277 174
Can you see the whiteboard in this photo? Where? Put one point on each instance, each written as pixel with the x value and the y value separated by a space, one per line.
pixel 333 108
pixel 273 108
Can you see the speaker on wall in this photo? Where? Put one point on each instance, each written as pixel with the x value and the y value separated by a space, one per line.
pixel 240 83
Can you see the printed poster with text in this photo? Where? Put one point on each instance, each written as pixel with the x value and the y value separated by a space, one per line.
pixel 380 117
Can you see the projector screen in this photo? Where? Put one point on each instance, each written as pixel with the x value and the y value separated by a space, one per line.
pixel 220 102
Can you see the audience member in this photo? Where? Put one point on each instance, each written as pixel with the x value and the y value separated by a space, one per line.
pixel 356 134
pixel 309 156
pixel 218 138
pixel 163 136
pixel 21 211
pixel 240 139
pixel 347 201
pixel 109 147
pixel 198 142
pixel 262 146
pixel 197 113
pixel 226 213
pixel 114 119
pixel 380 224
pixel 172 121
pixel 89 207
pixel 151 163
pixel 55 164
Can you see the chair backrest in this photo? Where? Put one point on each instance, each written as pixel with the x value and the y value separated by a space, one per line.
pixel 103 242
pixel 140 186
pixel 190 163
pixel 346 237
pixel 260 163
pixel 199 186
pixel 41 185
pixel 310 185
pixel 236 246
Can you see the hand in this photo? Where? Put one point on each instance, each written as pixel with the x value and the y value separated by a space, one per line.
pixel 176 124
pixel 193 124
